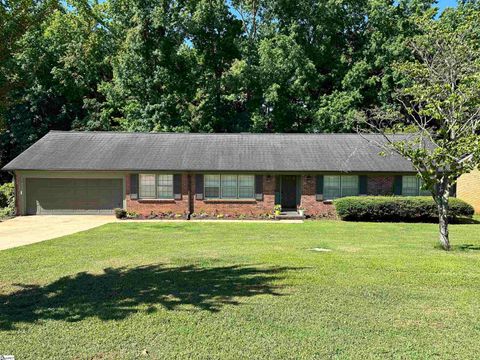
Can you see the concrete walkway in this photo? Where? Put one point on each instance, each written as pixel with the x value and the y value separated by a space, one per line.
pixel 25 230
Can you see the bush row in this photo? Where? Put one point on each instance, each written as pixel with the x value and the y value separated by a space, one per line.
pixel 396 208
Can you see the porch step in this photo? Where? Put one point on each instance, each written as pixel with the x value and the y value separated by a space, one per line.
pixel 289 215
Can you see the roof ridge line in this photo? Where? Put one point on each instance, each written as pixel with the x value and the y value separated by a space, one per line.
pixel 195 134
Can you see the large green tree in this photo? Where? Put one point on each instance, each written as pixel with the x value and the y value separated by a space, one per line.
pixel 17 17
pixel 215 35
pixel 440 104
pixel 198 65
pixel 56 58
pixel 315 65
pixel 152 66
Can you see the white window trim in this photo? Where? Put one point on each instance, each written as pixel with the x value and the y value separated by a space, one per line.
pixel 220 197
pixel 156 197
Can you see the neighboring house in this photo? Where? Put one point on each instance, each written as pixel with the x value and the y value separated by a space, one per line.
pixel 468 189
pixel 95 172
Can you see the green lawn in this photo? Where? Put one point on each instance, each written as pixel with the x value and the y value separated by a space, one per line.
pixel 233 290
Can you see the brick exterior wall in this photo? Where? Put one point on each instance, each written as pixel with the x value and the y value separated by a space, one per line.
pixel 376 185
pixel 235 208
pixel 309 201
pixel 146 207
pixel 380 185
pixel 468 189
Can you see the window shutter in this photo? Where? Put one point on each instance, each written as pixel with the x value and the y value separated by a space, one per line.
pixel 299 190
pixel 134 186
pixel 199 186
pixel 319 190
pixel 362 184
pixel 278 194
pixel 397 185
pixel 177 186
pixel 259 187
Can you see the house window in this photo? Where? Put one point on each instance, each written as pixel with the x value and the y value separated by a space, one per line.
pixel 147 186
pixel 229 186
pixel 165 186
pixel 331 187
pixel 412 186
pixel 212 186
pixel 422 191
pixel 335 186
pixel 246 186
pixel 154 186
pixel 349 185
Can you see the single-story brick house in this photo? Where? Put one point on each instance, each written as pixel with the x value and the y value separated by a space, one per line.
pixel 95 172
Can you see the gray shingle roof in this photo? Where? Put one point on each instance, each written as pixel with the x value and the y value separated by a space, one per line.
pixel 208 152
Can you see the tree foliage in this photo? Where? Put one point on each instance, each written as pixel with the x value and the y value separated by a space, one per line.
pixel 55 62
pixel 198 65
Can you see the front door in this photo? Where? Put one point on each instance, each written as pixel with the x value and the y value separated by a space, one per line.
pixel 289 192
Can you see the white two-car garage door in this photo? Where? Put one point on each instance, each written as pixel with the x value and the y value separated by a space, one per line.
pixel 45 196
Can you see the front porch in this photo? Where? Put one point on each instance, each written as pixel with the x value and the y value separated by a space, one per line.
pixel 290 215
pixel 288 192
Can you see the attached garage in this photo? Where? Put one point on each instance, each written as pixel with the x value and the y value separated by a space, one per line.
pixel 54 196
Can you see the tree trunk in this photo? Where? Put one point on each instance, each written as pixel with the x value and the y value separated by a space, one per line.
pixel 443 227
pixel 443 212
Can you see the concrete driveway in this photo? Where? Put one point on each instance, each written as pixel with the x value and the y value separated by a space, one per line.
pixel 25 230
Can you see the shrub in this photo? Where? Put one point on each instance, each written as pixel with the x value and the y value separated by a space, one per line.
pixel 132 215
pixel 120 213
pixel 277 209
pixel 7 199
pixel 396 208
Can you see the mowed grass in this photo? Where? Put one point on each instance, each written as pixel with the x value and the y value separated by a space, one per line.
pixel 243 290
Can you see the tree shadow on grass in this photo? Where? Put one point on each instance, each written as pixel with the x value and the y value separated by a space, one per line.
pixel 466 221
pixel 119 292
pixel 466 247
